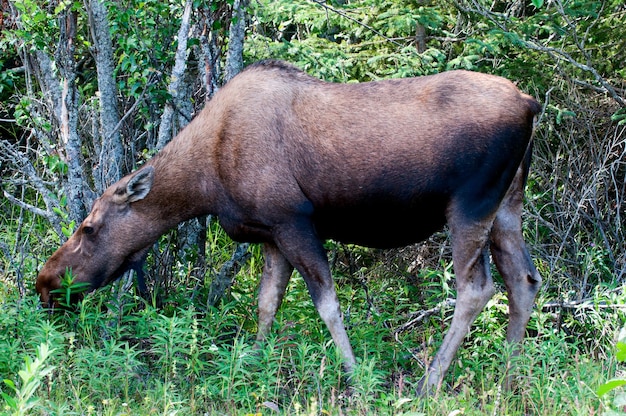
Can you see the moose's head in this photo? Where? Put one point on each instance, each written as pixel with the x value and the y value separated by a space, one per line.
pixel 112 239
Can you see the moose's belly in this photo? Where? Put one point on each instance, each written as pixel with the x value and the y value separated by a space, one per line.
pixel 381 224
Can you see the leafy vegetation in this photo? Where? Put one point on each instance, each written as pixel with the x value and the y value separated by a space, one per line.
pixel 116 353
pixel 182 358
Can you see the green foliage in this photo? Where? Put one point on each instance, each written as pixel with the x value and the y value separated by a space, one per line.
pixel 619 116
pixel 69 289
pixel 144 34
pixel 123 355
pixel 32 374
pixel 619 401
pixel 361 40
pixel 137 359
pixel 39 24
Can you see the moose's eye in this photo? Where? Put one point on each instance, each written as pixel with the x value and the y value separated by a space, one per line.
pixel 88 230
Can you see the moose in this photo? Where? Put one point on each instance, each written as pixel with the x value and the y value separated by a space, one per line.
pixel 289 161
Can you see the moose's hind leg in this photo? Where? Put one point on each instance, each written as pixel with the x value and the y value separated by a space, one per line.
pixel 474 289
pixel 514 263
pixel 511 257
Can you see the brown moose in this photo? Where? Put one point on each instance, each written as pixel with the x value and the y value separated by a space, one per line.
pixel 287 160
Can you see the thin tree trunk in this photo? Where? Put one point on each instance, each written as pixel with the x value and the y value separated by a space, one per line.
pixel 69 115
pixel 208 65
pixel 177 78
pixel 225 278
pixel 38 66
pixel 191 235
pixel 111 156
pixel 234 56
pixel 420 38
pixel 222 282
pixel 49 83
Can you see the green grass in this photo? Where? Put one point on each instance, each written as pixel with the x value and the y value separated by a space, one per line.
pixel 116 355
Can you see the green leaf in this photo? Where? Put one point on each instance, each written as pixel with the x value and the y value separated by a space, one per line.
pixel 10 383
pixel 59 212
pixel 619 116
pixel 538 3
pixel 621 351
pixel 10 401
pixel 610 385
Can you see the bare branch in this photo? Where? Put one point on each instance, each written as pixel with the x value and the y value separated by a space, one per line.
pixel 28 207
pixel 587 303
pixel 555 53
pixel 25 166
pixel 418 317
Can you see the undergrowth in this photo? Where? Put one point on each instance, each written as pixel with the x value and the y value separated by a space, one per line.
pixel 117 354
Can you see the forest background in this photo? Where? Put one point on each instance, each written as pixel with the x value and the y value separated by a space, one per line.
pixel 89 90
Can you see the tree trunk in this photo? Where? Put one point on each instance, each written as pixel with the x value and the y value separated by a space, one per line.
pixel 108 168
pixel 225 278
pixel 209 52
pixel 69 115
pixel 234 56
pixel 234 64
pixel 177 78
pixel 420 38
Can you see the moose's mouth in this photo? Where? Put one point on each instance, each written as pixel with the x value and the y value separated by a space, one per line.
pixel 63 291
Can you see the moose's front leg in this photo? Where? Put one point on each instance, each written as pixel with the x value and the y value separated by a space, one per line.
pixel 301 247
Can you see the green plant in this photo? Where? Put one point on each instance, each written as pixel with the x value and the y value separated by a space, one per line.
pixel 618 404
pixel 31 375
pixel 69 288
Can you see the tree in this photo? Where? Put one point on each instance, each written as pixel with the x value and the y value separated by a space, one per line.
pixel 91 64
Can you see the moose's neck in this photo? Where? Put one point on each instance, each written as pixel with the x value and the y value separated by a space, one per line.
pixel 183 186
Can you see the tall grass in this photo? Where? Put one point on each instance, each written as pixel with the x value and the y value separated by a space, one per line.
pixel 117 354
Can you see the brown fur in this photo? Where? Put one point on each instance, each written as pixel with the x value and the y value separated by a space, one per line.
pixel 287 160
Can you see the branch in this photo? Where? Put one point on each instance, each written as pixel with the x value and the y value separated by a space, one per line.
pixel 418 317
pixel 555 53
pixel 358 22
pixel 607 88
pixel 28 170
pixel 583 304
pixel 224 279
pixel 15 266
pixel 28 207
pixel 586 303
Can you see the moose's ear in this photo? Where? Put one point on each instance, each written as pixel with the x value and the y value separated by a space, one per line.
pixel 139 184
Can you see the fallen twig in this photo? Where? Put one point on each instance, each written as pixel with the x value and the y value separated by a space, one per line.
pixel 418 317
